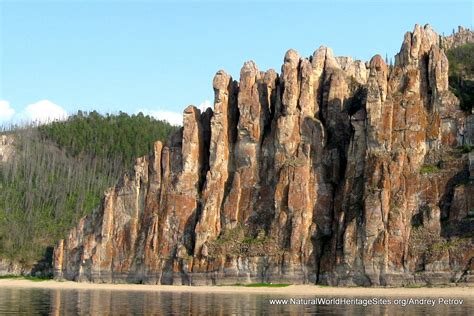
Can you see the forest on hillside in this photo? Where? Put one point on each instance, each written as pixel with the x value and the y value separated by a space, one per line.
pixel 461 74
pixel 59 172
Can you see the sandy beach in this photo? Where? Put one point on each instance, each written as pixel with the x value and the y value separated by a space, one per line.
pixel 292 290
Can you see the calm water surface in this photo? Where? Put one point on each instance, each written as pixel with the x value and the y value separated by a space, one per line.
pixel 17 301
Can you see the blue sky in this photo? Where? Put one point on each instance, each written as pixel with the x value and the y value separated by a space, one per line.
pixel 161 56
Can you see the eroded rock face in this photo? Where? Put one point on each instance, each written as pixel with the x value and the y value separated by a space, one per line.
pixel 337 172
pixel 8 267
pixel 461 37
pixel 7 148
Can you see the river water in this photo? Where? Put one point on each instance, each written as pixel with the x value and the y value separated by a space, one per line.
pixel 35 301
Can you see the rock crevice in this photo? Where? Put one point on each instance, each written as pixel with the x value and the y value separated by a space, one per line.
pixel 315 175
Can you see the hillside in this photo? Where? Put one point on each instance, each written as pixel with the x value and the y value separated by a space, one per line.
pixel 57 173
pixel 461 74
pixel 335 171
pixel 118 137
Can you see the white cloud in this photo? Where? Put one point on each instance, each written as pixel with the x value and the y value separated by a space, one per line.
pixel 204 105
pixel 43 111
pixel 6 111
pixel 173 118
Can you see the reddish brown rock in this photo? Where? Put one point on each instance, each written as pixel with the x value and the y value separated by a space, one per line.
pixel 337 172
pixel 223 126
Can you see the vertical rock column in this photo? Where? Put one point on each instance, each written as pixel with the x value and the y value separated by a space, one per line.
pixel 123 210
pixel 182 167
pixel 223 124
pixel 241 201
pixel 377 191
pixel 295 132
pixel 409 83
pixel 149 233
pixel 287 138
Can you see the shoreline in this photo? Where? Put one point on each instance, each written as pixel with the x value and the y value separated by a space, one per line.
pixel 291 290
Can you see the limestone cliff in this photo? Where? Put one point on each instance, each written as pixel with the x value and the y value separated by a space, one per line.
pixel 335 171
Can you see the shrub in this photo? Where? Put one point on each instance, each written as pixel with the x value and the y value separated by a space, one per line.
pixel 427 169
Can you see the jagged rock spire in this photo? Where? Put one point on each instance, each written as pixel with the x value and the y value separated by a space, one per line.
pixel 314 175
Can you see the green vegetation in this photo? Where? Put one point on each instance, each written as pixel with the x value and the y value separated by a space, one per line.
pixel 267 285
pixel 461 74
pixel 425 242
pixel 241 241
pixel 108 136
pixel 59 172
pixel 443 245
pixel 24 277
pixel 427 169
pixel 259 284
pixel 456 153
pixel 465 149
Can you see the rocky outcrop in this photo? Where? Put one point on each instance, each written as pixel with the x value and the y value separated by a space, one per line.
pixel 8 267
pixel 6 147
pixel 336 172
pixel 461 37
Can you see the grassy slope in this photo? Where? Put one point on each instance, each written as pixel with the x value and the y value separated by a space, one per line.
pixel 59 174
pixel 461 74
